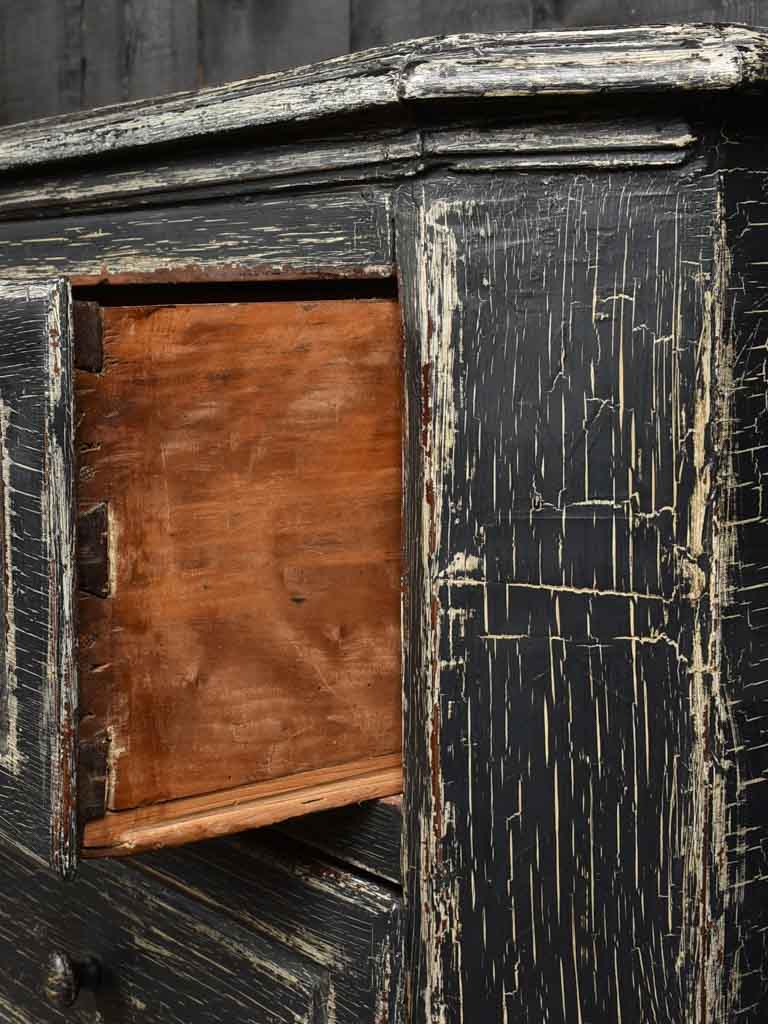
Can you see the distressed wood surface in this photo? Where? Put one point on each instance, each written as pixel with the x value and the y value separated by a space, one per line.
pixel 166 957
pixel 87 327
pixel 616 61
pixel 567 813
pixel 38 683
pixel 582 614
pixel 566 136
pixel 238 168
pixel 346 924
pixel 744 720
pixel 191 819
pixel 64 55
pixel 549 142
pixel 345 233
pixel 367 836
pixel 249 456
pixel 93 567
pixel 719 59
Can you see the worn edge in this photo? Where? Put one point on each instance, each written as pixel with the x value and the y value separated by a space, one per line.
pixel 654 58
pixel 558 143
pixel 124 833
pixel 60 531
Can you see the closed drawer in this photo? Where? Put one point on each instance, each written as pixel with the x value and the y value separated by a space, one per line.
pixel 163 958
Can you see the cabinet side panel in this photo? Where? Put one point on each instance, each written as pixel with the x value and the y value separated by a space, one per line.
pixel 745 634
pixel 564 807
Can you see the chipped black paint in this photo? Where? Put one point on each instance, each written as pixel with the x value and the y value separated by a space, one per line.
pixel 345 923
pixel 165 958
pixel 564 657
pixel 584 303
pixel 366 836
pixel 93 551
pixel 744 768
pixel 38 689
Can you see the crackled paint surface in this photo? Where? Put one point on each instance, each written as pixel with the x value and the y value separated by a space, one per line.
pixel 572 571
pixel 584 644
pixel 744 642
pixel 38 696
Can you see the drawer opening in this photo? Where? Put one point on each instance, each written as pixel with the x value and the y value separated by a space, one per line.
pixel 239 490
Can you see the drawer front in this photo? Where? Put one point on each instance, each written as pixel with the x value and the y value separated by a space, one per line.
pixel 346 922
pixel 164 958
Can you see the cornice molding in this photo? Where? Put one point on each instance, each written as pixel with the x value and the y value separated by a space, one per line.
pixel 462 67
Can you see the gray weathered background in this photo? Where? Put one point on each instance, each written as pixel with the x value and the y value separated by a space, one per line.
pixel 63 55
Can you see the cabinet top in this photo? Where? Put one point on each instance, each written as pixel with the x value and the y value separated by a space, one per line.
pixel 426 71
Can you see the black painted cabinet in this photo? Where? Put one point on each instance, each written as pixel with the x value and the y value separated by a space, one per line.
pixel 576 227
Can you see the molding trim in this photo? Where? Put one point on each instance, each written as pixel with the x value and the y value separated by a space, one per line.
pixel 547 144
pixel 478 67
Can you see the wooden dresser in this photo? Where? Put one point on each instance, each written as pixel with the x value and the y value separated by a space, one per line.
pixel 384 544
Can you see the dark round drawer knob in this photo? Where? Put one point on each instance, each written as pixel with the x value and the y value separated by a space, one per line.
pixel 65 977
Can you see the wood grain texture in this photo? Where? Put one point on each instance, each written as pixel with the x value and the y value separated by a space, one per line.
pixel 65 55
pixel 585 388
pixel 279 891
pixel 160 46
pixel 238 170
pixel 103 58
pixel 391 21
pixel 81 54
pixel 603 62
pixel 346 233
pixel 567 811
pixel 38 677
pixel 565 136
pixel 240 40
pixel 615 64
pixel 225 812
pixel 93 568
pixel 249 455
pixel 39 70
pixel 166 958
pixel 576 13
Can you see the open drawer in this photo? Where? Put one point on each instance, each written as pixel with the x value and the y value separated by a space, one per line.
pixel 202 524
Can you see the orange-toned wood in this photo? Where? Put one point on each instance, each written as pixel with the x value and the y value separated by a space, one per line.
pixel 260 803
pixel 250 458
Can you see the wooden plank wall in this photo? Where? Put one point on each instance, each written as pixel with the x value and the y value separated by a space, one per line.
pixel 58 56
pixel 387 21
